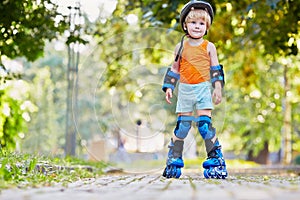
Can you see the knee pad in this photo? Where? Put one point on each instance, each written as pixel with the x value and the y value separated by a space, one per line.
pixel 208 132
pixel 183 126
pixel 205 127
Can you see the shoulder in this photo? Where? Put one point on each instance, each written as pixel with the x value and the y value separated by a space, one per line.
pixel 177 47
pixel 211 46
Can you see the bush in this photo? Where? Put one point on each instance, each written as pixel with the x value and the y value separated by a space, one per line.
pixel 297 160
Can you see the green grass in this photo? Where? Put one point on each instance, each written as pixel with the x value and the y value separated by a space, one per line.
pixel 27 170
pixel 196 163
pixel 153 165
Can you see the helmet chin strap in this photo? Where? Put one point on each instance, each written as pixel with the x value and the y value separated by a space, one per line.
pixel 178 55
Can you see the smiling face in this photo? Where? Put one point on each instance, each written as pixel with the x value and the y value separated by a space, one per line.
pixel 196 28
pixel 197 23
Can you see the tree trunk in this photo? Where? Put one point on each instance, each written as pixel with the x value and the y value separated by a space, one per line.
pixel 287 129
pixel 262 157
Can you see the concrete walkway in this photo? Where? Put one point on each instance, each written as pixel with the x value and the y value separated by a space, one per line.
pixel 191 185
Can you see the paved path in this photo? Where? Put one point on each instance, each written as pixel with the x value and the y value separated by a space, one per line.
pixel 153 186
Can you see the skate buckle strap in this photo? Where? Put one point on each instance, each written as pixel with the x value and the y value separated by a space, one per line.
pixel 220 160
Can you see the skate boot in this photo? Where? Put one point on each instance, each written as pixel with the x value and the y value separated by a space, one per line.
pixel 174 161
pixel 215 166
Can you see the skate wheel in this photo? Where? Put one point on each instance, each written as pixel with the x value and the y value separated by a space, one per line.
pixel 168 172
pixel 178 173
pixel 165 172
pixel 224 175
pixel 172 172
pixel 206 174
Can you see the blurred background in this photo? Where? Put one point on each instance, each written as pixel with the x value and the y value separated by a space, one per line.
pixel 83 78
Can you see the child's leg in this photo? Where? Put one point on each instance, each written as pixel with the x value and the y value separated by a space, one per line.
pixel 174 161
pixel 215 166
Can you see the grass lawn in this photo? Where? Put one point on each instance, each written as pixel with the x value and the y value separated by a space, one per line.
pixel 27 170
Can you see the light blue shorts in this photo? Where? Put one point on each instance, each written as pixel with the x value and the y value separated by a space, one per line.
pixel 194 96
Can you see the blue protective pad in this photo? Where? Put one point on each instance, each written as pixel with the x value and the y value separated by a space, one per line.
pixel 205 127
pixel 183 126
pixel 170 80
pixel 217 74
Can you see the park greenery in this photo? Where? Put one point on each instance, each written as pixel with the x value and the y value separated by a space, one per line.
pixel 122 62
pixel 27 170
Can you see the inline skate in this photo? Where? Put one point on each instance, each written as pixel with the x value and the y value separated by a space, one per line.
pixel 174 161
pixel 215 166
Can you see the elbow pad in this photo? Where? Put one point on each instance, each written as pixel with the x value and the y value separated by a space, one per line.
pixel 217 74
pixel 170 80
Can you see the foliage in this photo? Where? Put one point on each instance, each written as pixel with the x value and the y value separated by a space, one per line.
pixel 130 71
pixel 42 127
pixel 297 160
pixel 267 25
pixel 15 111
pixel 156 13
pixel 268 44
pixel 29 170
pixel 25 25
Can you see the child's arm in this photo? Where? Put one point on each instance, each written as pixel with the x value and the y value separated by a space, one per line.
pixel 216 70
pixel 175 66
pixel 213 54
pixel 216 74
pixel 171 76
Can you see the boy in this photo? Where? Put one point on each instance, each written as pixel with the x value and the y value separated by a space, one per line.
pixel 196 66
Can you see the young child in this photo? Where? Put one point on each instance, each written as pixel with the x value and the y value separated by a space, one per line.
pixel 196 66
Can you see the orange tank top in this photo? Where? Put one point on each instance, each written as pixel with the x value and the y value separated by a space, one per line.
pixel 194 63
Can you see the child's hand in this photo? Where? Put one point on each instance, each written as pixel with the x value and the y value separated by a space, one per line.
pixel 217 95
pixel 169 95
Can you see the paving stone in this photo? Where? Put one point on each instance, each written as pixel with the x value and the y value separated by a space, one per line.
pixel 190 186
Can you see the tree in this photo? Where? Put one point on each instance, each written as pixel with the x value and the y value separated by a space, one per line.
pixel 44 128
pixel 25 25
pixel 262 26
pixel 15 112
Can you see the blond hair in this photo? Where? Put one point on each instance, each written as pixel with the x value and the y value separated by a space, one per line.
pixel 199 14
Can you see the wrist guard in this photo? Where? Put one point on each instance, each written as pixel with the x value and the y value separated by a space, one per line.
pixel 170 80
pixel 217 74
